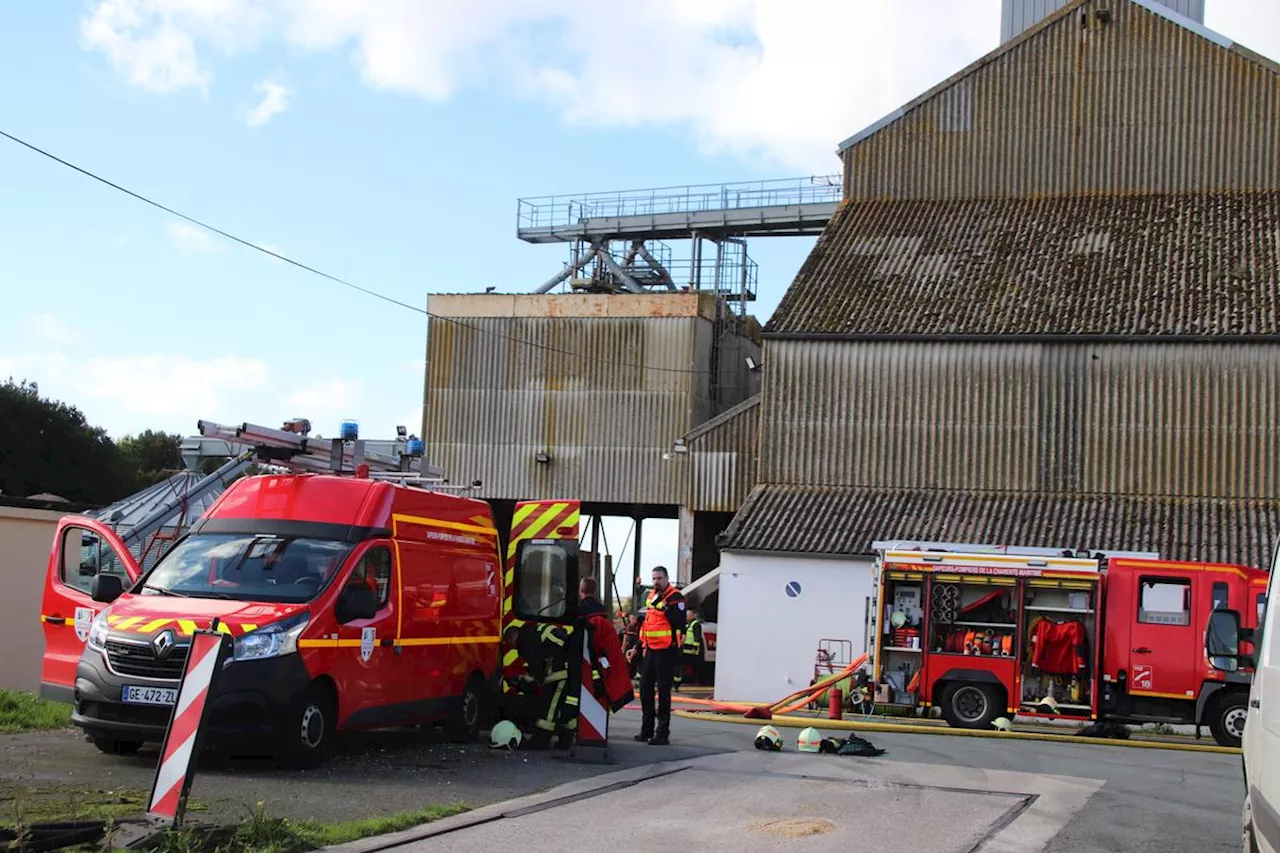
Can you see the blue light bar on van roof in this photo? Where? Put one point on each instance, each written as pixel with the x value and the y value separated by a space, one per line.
pixel 350 430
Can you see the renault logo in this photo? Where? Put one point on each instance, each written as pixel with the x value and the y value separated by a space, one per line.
pixel 163 644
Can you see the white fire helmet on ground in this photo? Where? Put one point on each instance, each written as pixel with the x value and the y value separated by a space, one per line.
pixel 1003 724
pixel 505 733
pixel 810 740
pixel 768 739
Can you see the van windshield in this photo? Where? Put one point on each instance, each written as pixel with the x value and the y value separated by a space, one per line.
pixel 247 567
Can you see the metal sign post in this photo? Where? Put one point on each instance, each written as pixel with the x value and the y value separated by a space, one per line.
pixel 184 737
pixel 592 741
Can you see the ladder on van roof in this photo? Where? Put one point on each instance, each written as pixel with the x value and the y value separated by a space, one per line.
pixel 150 521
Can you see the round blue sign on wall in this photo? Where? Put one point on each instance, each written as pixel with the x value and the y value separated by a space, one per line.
pixel 793 589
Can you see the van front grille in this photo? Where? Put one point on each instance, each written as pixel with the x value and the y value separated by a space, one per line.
pixel 141 661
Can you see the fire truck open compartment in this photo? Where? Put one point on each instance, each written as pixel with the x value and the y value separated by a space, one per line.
pixel 981 636
pixel 967 642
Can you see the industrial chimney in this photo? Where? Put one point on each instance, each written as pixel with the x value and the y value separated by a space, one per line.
pixel 1017 16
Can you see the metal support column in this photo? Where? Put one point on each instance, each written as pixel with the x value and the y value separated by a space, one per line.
pixel 595 550
pixel 636 565
pixel 684 557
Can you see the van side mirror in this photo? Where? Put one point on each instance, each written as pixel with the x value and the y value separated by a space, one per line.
pixel 1222 641
pixel 546 581
pixel 356 602
pixel 106 588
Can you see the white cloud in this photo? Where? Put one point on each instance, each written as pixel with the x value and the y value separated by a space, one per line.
pixel 153 43
pixel 167 385
pixel 52 328
pixel 189 237
pixel 785 80
pixel 159 387
pixel 327 399
pixel 275 100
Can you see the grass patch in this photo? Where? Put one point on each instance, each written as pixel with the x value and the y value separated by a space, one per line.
pixel 22 804
pixel 265 834
pixel 26 712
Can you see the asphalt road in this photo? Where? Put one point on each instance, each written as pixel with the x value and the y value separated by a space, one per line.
pixel 1148 800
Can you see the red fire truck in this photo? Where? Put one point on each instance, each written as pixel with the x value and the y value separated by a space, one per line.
pixel 984 636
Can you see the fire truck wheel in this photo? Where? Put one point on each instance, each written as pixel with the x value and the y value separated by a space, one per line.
pixel 464 727
pixel 967 705
pixel 309 726
pixel 1226 718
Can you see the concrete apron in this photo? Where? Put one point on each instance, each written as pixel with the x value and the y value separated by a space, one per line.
pixel 749 801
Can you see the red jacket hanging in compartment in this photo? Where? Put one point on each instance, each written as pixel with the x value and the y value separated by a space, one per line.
pixel 1059 648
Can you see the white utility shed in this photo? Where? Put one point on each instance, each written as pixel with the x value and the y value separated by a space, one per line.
pixel 773 612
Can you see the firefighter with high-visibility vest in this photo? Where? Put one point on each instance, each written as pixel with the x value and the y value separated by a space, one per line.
pixel 690 652
pixel 661 636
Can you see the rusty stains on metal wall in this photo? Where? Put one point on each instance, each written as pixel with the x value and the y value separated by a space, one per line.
pixel 1117 418
pixel 600 389
pixel 1132 102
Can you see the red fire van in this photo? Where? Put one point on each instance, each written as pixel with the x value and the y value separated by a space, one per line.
pixel 353 603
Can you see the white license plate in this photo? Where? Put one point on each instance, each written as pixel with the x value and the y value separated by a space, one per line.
pixel 150 695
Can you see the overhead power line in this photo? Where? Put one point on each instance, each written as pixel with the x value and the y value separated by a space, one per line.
pixel 333 278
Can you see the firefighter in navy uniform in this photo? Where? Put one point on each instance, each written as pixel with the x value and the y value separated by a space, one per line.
pixel 661 636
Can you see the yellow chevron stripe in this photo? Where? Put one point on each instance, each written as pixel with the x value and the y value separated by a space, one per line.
pixel 510 657
pixel 537 528
pixel 522 512
pixel 126 624
pixel 187 627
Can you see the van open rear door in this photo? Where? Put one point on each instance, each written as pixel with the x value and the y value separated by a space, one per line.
pixel 532 520
pixel 82 549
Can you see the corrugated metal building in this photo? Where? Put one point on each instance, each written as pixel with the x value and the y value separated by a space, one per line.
pixel 594 396
pixel 1047 313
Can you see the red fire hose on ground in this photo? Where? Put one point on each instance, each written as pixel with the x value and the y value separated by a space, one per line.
pixel 785 705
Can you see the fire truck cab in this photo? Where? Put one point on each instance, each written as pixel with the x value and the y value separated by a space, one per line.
pixel 983 636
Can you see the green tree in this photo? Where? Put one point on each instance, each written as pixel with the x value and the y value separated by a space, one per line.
pixel 48 446
pixel 151 456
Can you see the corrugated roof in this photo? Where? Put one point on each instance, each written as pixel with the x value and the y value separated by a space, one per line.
pixel 833 520
pixel 1192 265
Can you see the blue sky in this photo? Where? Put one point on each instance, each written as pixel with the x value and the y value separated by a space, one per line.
pixel 387 143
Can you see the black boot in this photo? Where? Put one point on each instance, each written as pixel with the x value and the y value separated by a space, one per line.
pixel 644 738
pixel 661 738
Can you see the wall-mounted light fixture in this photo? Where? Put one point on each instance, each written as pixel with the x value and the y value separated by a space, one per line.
pixel 753 365
pixel 542 458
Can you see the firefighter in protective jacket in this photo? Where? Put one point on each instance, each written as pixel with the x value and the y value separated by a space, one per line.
pixel 660 638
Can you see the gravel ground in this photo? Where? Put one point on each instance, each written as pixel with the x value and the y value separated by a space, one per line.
pixel 369 774
pixel 1171 802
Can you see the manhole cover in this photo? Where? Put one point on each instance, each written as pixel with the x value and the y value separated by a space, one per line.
pixel 794 827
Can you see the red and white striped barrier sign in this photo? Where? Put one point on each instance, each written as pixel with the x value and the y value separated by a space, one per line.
pixel 182 741
pixel 593 717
